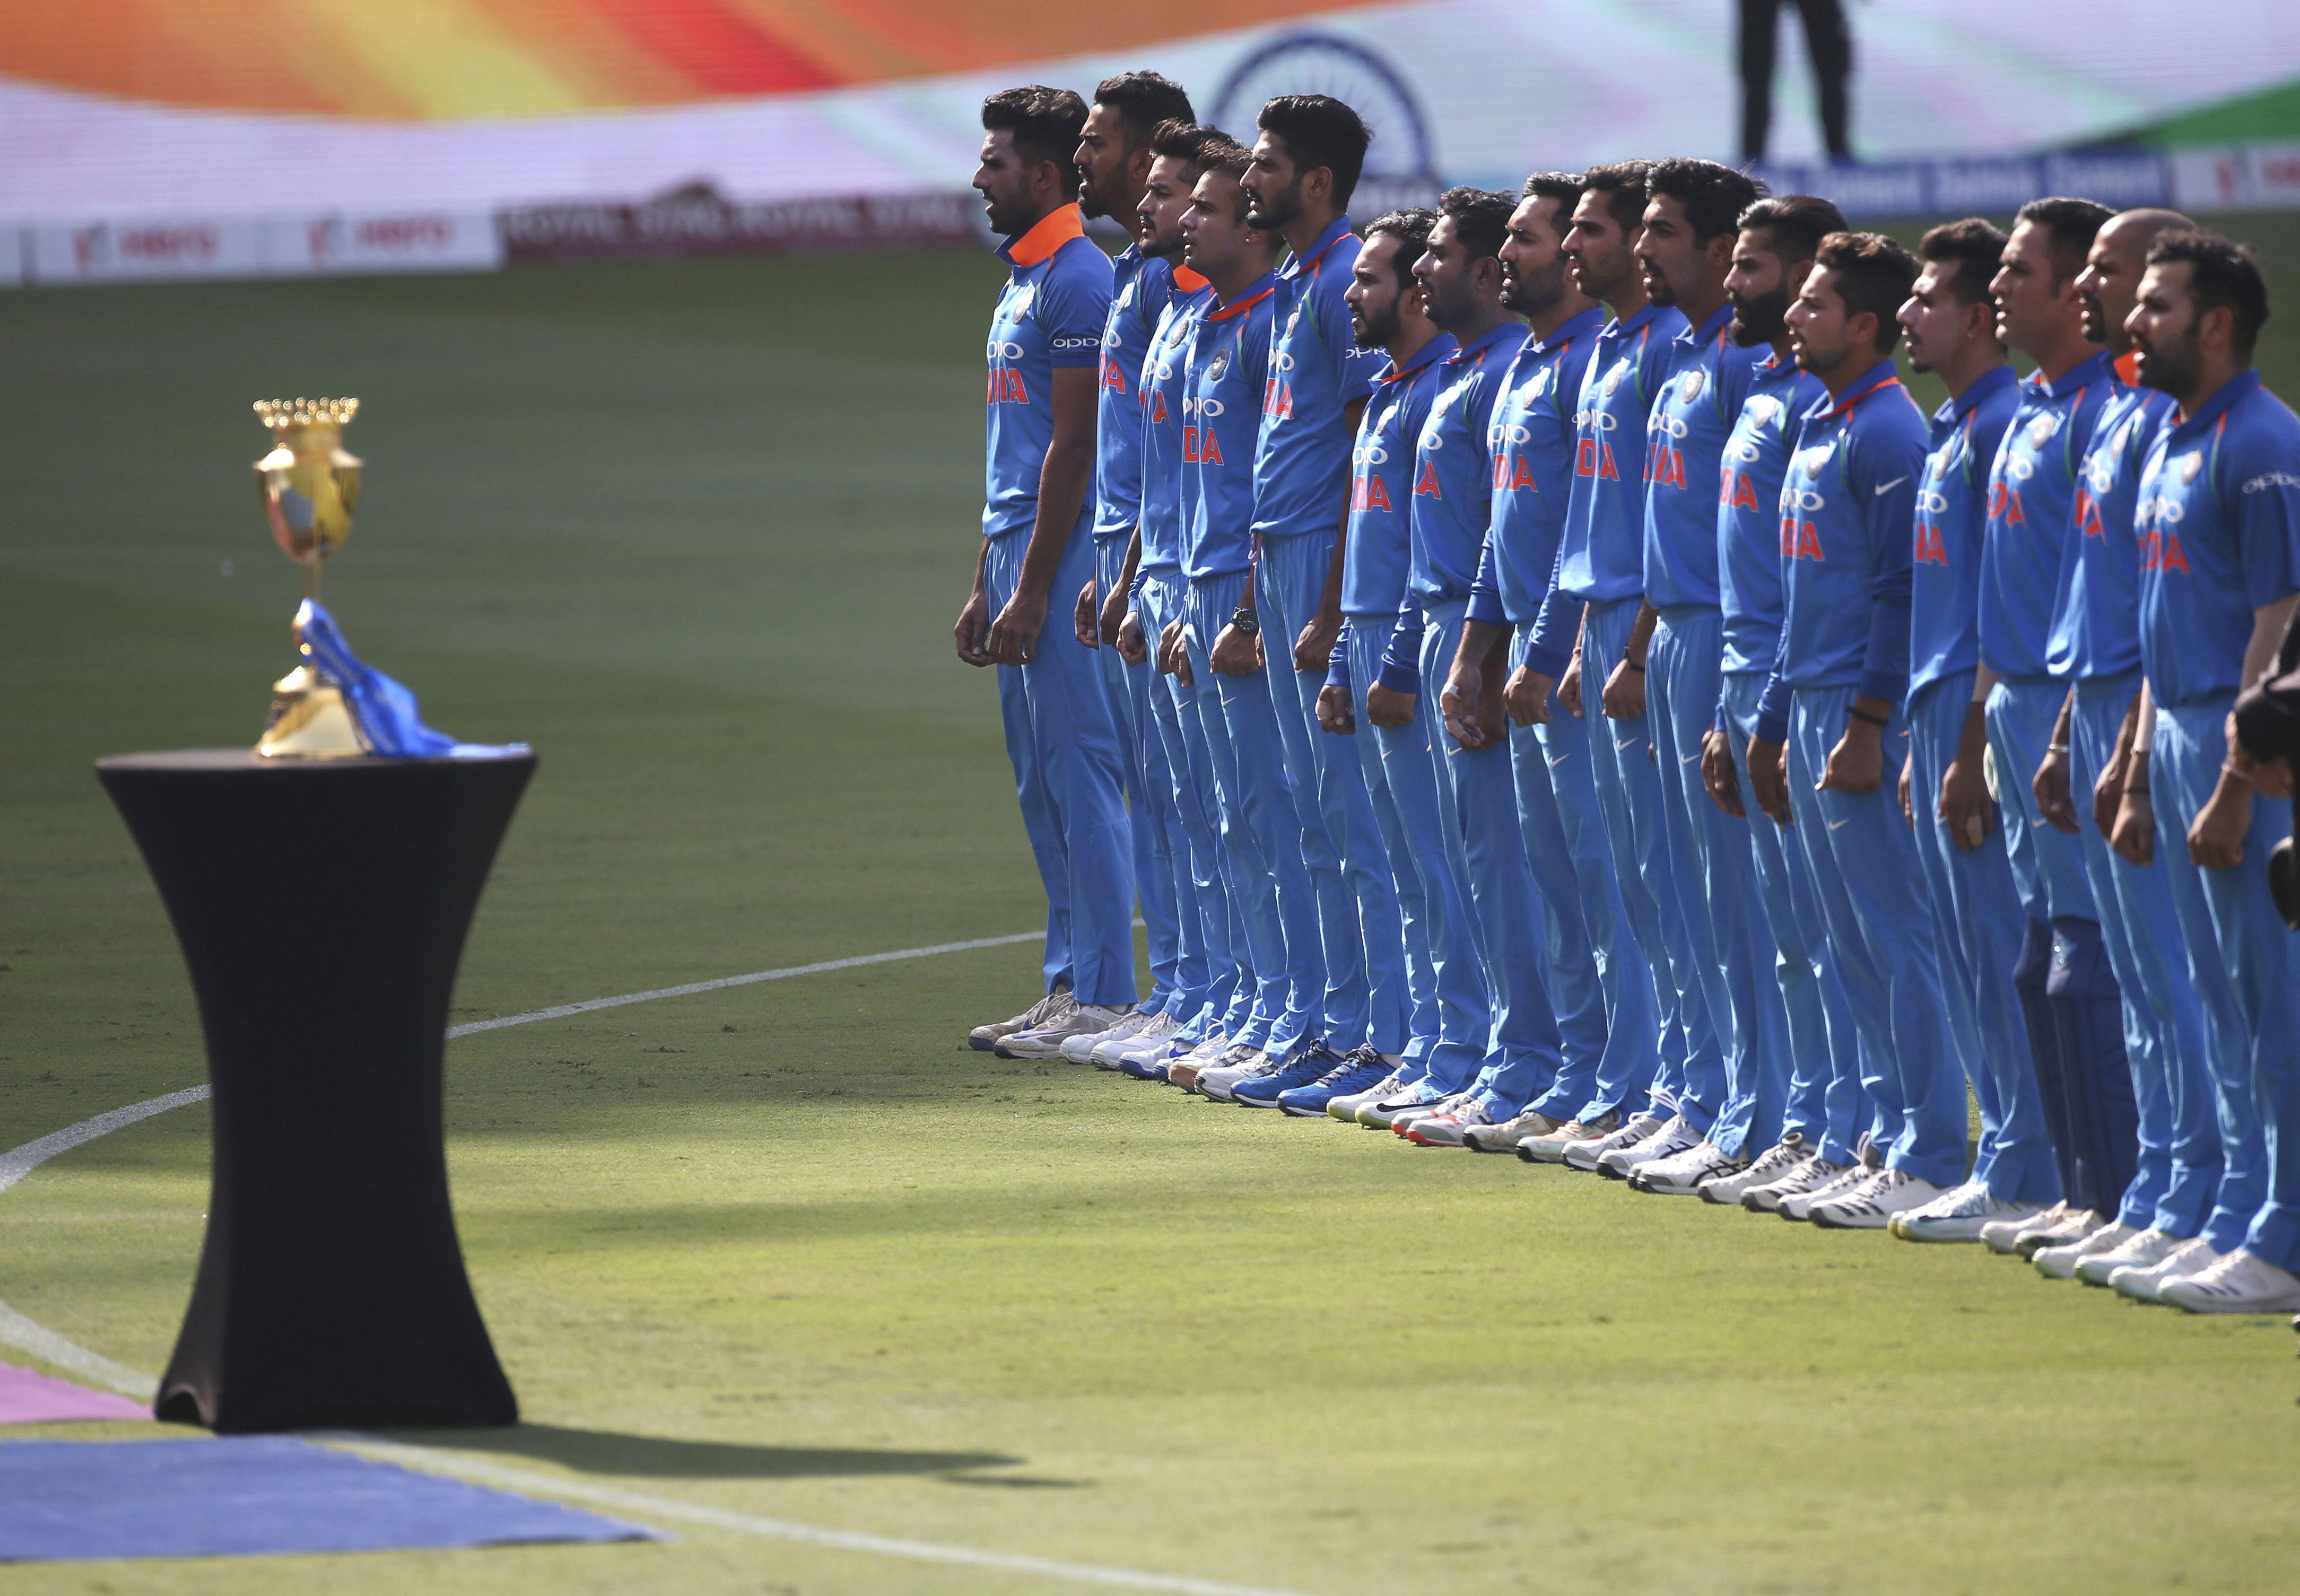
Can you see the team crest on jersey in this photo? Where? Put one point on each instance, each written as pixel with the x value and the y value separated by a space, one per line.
pixel 2123 435
pixel 1816 460
pixel 1540 386
pixel 1613 379
pixel 1692 386
pixel 1220 366
pixel 2190 464
pixel 1760 411
pixel 2041 430
pixel 1294 320
pixel 1019 305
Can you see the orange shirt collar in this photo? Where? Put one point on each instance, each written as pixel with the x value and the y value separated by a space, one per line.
pixel 2128 367
pixel 1188 280
pixel 1058 228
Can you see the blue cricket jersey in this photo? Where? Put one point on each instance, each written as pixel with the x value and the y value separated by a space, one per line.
pixel 1375 558
pixel 1050 316
pixel 2219 538
pixel 1165 373
pixel 2031 488
pixel 1302 454
pixel 1706 380
pixel 1748 524
pixel 1952 508
pixel 1602 555
pixel 1452 492
pixel 1847 505
pixel 2097 610
pixel 1227 357
pixel 1531 441
pixel 1140 287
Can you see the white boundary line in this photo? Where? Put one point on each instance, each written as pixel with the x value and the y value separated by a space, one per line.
pixel 46 1344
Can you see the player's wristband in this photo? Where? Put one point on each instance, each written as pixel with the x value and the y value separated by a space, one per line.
pixel 1633 665
pixel 1866 718
pixel 2056 748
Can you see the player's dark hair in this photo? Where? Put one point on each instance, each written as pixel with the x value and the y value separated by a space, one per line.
pixel 1480 218
pixel 1319 131
pixel 1411 228
pixel 1873 274
pixel 2070 225
pixel 1713 196
pixel 1185 141
pixel 2221 272
pixel 1623 184
pixel 1974 246
pixel 1045 124
pixel 1563 186
pixel 1218 151
pixel 1794 224
pixel 1145 103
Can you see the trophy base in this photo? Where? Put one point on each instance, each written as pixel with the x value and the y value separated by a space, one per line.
pixel 309 721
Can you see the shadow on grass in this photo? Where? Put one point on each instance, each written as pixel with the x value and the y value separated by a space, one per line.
pixel 604 1451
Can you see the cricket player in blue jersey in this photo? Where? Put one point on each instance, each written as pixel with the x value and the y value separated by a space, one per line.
pixel 2077 1030
pixel 1113 160
pixel 1306 160
pixel 1977 920
pixel 1601 574
pixel 2167 1121
pixel 1831 736
pixel 1178 703
pixel 1598 981
pixel 1227 361
pixel 1450 1016
pixel 1038 527
pixel 1823 1106
pixel 1684 250
pixel 2219 543
pixel 1452 503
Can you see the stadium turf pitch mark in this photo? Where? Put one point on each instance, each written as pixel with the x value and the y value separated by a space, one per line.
pixel 17 1331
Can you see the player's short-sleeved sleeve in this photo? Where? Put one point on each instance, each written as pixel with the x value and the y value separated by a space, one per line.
pixel 1072 305
pixel 2264 486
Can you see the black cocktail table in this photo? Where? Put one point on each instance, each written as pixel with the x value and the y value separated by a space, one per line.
pixel 321 907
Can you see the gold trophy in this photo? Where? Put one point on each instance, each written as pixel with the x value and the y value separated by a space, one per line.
pixel 309 486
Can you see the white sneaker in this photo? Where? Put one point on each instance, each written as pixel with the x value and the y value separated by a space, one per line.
pixel 1045 1041
pixel 1503 1135
pixel 1549 1147
pixel 1207 1055
pixel 1236 1063
pixel 1219 1082
pixel 1452 1102
pixel 2059 1262
pixel 1383 1112
pixel 983 1039
pixel 2139 1249
pixel 1814 1174
pixel 1682 1173
pixel 2237 1283
pixel 1450 1128
pixel 1871 1205
pixel 1998 1235
pixel 1958 1214
pixel 1584 1155
pixel 1798 1205
pixel 1080 1049
pixel 1676 1135
pixel 2141 1283
pixel 1772 1164
pixel 1345 1108
pixel 1146 1050
pixel 1108 1053
pixel 2074 1225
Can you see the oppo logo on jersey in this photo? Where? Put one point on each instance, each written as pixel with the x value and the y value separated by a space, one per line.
pixel 1073 343
pixel 1369 454
pixel 1601 420
pixel 1497 435
pixel 1671 426
pixel 999 351
pixel 1279 361
pixel 1208 408
pixel 2262 483
pixel 2018 468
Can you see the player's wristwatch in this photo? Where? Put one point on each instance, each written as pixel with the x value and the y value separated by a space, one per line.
pixel 1245 623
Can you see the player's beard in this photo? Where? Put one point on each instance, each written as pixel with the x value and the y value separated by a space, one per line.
pixel 1537 291
pixel 1761 320
pixel 2169 366
pixel 1267 212
pixel 1380 325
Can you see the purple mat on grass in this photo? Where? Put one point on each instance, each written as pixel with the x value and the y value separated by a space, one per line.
pixel 233 1496
pixel 26 1398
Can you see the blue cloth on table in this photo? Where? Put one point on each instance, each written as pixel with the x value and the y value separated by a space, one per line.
pixel 236 1496
pixel 384 710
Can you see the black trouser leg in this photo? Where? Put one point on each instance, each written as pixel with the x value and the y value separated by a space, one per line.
pixel 1829 39
pixel 1760 27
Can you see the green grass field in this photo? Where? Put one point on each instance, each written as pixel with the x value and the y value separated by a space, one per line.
pixel 698 532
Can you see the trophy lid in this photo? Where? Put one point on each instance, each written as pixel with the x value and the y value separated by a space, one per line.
pixel 280 415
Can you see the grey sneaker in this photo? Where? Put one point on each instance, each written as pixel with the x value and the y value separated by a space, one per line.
pixel 1551 1147
pixel 1772 1164
pixel 1045 1041
pixel 2137 1251
pixel 1584 1155
pixel 1504 1135
pixel 984 1039
pixel 2059 1262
